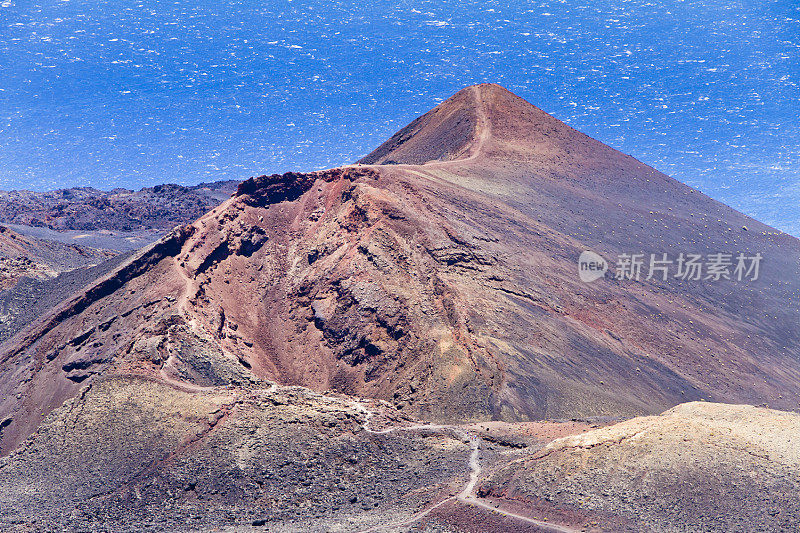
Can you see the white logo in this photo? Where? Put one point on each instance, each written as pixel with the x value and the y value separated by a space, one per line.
pixel 591 267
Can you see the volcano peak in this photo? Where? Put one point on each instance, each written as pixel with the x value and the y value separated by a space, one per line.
pixel 481 121
pixel 447 132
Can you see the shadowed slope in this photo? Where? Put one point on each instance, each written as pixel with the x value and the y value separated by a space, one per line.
pixel 450 131
pixel 23 256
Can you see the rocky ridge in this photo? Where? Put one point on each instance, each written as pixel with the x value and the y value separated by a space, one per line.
pixel 83 208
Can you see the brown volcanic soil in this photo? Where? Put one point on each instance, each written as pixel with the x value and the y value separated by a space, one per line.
pixel 697 467
pixel 448 289
pixel 162 207
pixel 135 454
pixel 36 274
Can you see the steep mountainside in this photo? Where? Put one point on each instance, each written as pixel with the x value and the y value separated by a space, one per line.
pixel 451 288
pixel 444 284
pixel 443 134
pixel 32 297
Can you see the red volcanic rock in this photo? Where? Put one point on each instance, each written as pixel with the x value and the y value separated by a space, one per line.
pixel 265 190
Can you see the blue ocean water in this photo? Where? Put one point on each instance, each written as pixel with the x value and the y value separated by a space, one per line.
pixel 133 92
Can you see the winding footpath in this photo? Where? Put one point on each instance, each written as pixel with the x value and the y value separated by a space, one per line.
pixel 467 495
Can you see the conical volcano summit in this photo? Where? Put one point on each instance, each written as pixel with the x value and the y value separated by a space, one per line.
pixel 377 346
